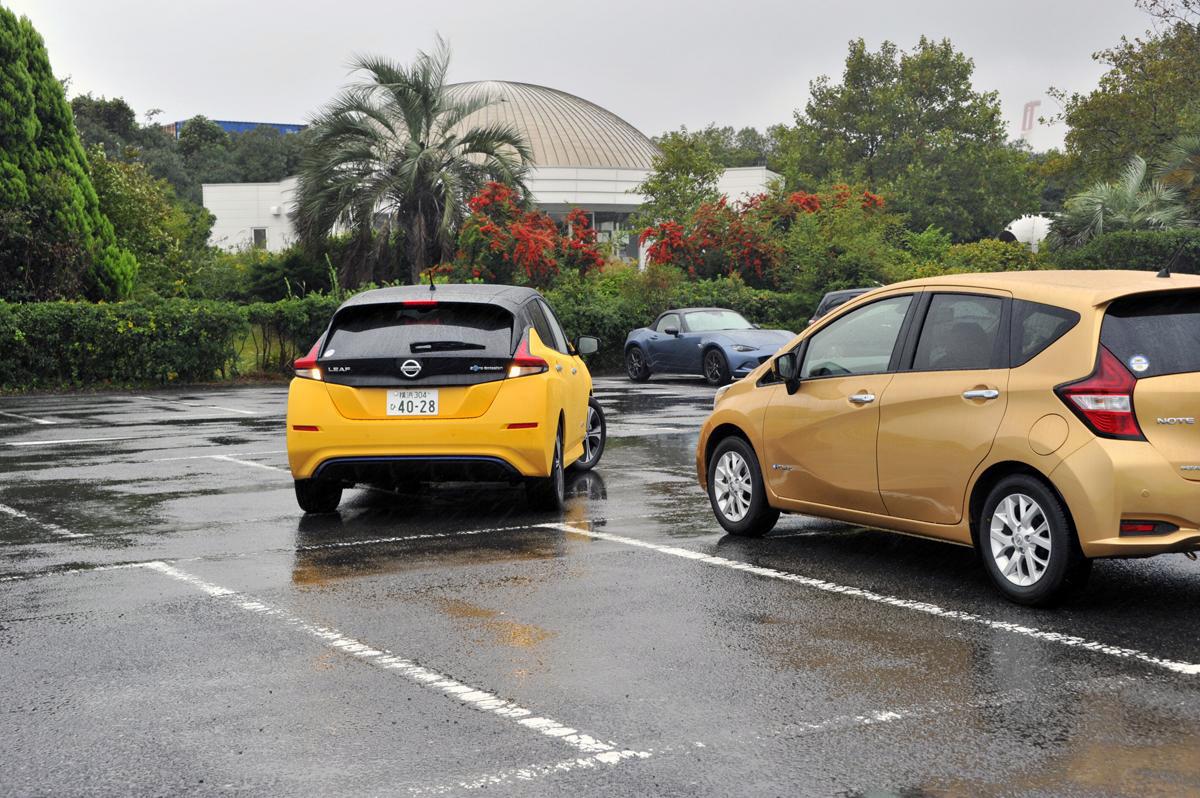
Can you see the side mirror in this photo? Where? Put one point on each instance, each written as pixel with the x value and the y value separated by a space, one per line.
pixel 672 331
pixel 786 369
pixel 587 344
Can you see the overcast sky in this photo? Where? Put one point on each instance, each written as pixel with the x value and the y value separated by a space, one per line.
pixel 657 64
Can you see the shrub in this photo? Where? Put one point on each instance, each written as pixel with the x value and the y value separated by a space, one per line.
pixel 988 255
pixel 75 344
pixel 1130 249
pixel 285 330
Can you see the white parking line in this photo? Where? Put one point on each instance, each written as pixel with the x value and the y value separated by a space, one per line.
pixel 425 677
pixel 1187 668
pixel 531 772
pixel 229 459
pixel 53 529
pixel 62 441
pixel 210 456
pixel 26 418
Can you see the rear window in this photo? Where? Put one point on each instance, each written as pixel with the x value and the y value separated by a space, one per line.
pixel 1155 334
pixel 400 330
pixel 1035 326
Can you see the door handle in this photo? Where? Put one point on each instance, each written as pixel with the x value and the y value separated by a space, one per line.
pixel 981 393
pixel 862 398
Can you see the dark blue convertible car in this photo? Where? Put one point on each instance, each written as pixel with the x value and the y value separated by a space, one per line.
pixel 714 342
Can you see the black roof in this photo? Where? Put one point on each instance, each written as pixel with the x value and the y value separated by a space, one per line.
pixel 507 296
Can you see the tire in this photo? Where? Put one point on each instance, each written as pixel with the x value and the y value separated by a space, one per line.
pixel 549 493
pixel 743 511
pixel 1042 563
pixel 716 367
pixel 316 496
pixel 636 365
pixel 594 437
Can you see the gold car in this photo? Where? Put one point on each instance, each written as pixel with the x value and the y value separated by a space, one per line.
pixel 461 382
pixel 1045 418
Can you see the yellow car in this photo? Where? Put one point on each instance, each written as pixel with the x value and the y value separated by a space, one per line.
pixel 458 382
pixel 1045 418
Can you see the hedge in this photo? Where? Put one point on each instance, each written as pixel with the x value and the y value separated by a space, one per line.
pixel 48 345
pixel 1147 250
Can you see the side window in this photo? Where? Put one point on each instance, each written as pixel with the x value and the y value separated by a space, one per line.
pixel 669 320
pixel 861 342
pixel 960 332
pixel 540 323
pixel 1035 326
pixel 559 341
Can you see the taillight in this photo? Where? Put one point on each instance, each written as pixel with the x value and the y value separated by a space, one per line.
pixel 306 366
pixel 523 363
pixel 1104 399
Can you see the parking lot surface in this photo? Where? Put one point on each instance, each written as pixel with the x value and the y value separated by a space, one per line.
pixel 171 624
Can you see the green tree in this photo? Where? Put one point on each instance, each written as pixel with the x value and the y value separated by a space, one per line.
pixel 395 157
pixel 166 235
pixel 1131 203
pixel 1146 98
pixel 1180 168
pixel 733 148
pixel 54 240
pixel 911 125
pixel 207 152
pixel 683 176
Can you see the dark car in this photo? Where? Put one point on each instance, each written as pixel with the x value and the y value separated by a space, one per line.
pixel 717 343
pixel 835 299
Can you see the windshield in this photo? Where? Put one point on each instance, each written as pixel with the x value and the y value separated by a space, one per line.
pixel 712 320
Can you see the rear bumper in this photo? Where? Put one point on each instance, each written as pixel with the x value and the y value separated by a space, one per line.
pixel 1106 482
pixel 357 450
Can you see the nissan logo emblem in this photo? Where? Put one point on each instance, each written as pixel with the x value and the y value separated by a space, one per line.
pixel 410 368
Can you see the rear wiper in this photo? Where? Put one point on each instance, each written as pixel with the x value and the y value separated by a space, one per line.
pixel 444 346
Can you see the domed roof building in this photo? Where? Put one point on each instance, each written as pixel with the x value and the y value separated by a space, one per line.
pixel 584 156
pixel 562 130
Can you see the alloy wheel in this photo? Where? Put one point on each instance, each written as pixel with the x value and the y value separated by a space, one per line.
pixel 1020 539
pixel 634 363
pixel 593 436
pixel 733 486
pixel 712 366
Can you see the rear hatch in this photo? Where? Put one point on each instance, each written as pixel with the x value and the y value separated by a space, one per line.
pixel 1157 337
pixel 425 359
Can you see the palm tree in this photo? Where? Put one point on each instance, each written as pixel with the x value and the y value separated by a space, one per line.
pixel 394 158
pixel 1129 203
pixel 1180 167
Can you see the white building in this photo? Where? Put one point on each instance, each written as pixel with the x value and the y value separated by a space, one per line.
pixel 583 157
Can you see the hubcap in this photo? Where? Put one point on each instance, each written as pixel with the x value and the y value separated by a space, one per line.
pixel 1020 539
pixel 733 486
pixel 591 441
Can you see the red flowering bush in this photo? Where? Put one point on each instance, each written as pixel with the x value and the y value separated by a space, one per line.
pixel 749 238
pixel 502 242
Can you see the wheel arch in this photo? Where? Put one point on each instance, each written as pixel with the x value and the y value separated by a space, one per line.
pixel 723 431
pixel 993 475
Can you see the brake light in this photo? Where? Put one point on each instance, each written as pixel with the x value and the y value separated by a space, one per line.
pixel 420 303
pixel 1104 399
pixel 306 366
pixel 523 363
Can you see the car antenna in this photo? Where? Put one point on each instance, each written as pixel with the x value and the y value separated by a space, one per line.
pixel 1165 271
pixel 432 287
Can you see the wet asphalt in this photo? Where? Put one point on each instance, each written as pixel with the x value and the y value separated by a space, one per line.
pixel 171 624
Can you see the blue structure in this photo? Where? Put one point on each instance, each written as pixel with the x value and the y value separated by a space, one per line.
pixel 173 128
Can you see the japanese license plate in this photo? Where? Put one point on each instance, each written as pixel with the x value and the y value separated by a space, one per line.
pixel 412 403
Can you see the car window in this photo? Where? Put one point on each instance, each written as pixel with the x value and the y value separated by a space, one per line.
pixel 1155 334
pixel 959 332
pixel 540 323
pixel 861 342
pixel 397 329
pixel 713 320
pixel 1035 326
pixel 669 320
pixel 560 338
